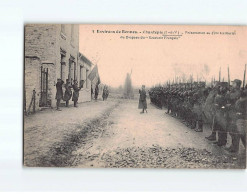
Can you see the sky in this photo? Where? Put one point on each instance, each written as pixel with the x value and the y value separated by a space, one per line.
pixel 155 61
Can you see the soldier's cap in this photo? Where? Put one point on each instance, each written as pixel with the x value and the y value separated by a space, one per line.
pixel 202 83
pixel 223 84
pixel 237 81
pixel 59 79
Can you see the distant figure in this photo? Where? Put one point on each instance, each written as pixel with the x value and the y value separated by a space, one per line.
pixel 68 92
pixel 105 93
pixel 142 100
pixel 96 92
pixel 91 91
pixel 75 93
pixel 59 93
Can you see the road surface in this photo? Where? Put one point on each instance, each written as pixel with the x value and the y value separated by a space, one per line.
pixel 120 137
pixel 152 139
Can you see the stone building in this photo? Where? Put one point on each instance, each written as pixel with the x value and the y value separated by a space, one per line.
pixel 52 52
pixel 85 68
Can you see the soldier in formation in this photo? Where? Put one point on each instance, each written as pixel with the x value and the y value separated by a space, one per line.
pixel 222 106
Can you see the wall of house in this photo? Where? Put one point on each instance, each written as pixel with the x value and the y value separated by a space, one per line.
pixel 68 44
pixel 48 42
pixel 40 41
pixel 32 72
pixel 85 93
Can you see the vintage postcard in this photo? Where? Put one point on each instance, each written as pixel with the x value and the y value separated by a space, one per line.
pixel 135 96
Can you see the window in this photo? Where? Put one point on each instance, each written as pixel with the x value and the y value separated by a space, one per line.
pixel 75 74
pixel 70 71
pixel 62 67
pixel 81 73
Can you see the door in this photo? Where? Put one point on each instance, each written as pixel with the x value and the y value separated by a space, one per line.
pixel 44 87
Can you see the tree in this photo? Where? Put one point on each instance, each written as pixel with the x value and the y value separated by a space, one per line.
pixel 128 89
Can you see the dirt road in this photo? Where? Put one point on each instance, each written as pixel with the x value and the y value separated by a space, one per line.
pixel 49 130
pixel 114 134
pixel 153 139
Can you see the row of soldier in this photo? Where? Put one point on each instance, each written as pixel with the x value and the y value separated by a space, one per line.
pixel 222 105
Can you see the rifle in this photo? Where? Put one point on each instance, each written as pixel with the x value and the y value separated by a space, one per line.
pixel 229 82
pixel 244 77
pixel 219 74
pixel 191 83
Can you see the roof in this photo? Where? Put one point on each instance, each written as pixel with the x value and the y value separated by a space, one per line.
pixel 85 59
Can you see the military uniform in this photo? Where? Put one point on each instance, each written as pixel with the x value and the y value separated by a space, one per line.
pixel 220 114
pixel 68 93
pixel 209 110
pixel 241 120
pixel 59 93
pixel 96 92
pixel 75 93
pixel 233 109
pixel 142 100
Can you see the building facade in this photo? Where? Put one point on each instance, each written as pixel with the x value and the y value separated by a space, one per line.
pixel 52 52
pixel 84 70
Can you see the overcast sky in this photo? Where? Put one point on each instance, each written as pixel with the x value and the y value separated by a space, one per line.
pixel 156 61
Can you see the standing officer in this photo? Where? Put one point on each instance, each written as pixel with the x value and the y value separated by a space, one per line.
pixel 59 92
pixel 142 100
pixel 233 96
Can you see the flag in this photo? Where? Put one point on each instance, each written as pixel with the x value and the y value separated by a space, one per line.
pixel 94 76
pixel 94 73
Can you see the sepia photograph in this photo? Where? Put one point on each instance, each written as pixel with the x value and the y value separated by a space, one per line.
pixel 134 96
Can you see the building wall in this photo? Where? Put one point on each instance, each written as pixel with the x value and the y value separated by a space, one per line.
pixel 47 42
pixel 32 64
pixel 84 70
pixel 40 41
pixel 68 44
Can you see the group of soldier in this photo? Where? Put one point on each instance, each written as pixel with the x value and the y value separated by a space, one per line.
pixel 67 94
pixel 105 93
pixel 222 106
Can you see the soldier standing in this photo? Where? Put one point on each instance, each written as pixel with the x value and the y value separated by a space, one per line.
pixel 169 106
pixel 233 96
pixel 91 91
pixel 105 93
pixel 68 92
pixel 142 100
pixel 209 110
pixel 96 92
pixel 59 93
pixel 75 93
pixel 241 113
pixel 220 119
